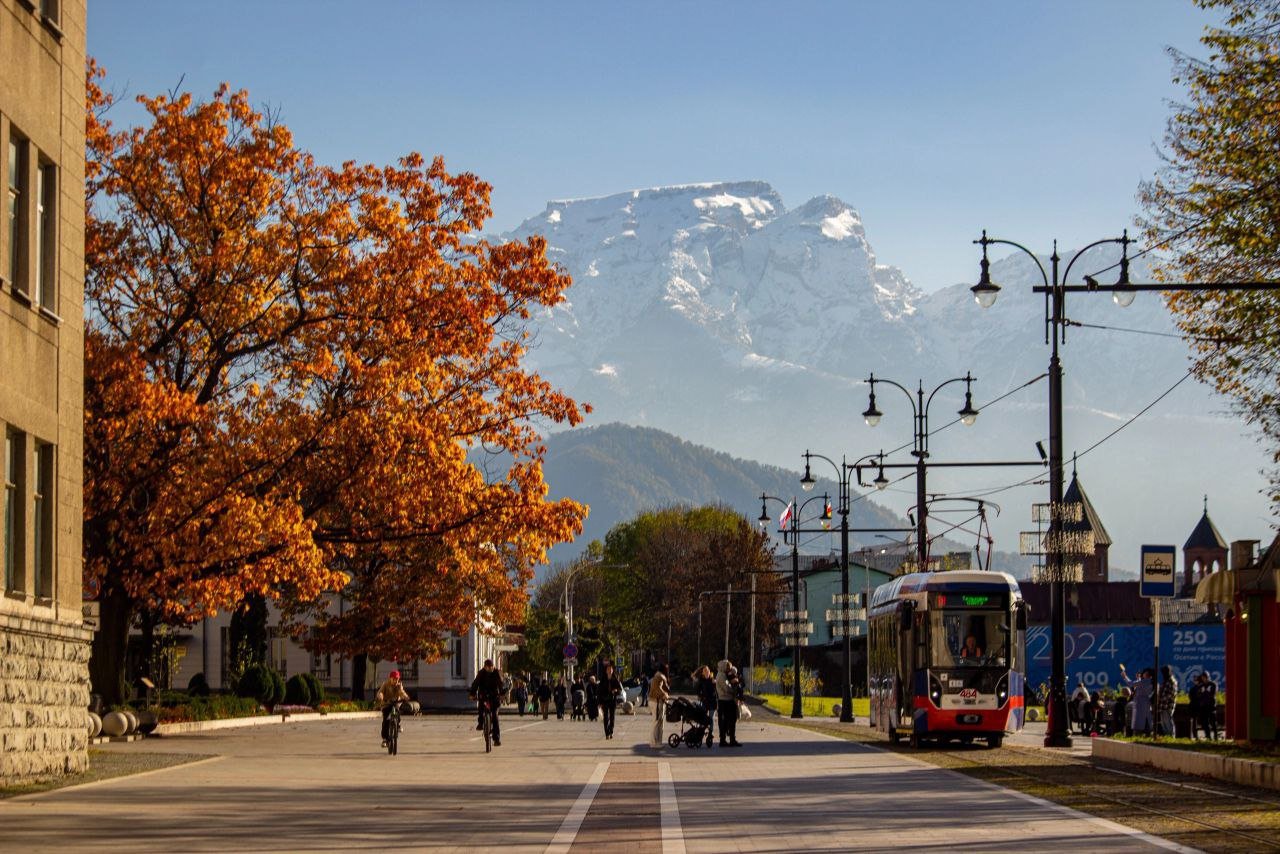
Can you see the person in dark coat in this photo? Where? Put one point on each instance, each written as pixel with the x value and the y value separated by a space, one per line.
pixel 593 697
pixel 561 696
pixel 704 685
pixel 1120 714
pixel 727 703
pixel 1203 695
pixel 544 698
pixel 610 688
pixel 579 696
pixel 520 694
pixel 644 689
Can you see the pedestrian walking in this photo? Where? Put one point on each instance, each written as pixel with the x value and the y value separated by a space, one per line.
pixel 579 696
pixel 520 693
pixel 727 703
pixel 610 688
pixel 544 698
pixel 593 697
pixel 560 696
pixel 1167 699
pixel 659 693
pixel 644 689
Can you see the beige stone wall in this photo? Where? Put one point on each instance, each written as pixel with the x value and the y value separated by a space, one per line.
pixel 44 648
pixel 44 698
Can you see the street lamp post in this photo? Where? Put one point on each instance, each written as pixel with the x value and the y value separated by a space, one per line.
pixel 843 471
pixel 791 516
pixel 920 450
pixel 1055 289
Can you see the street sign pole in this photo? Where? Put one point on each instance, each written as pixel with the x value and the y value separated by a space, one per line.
pixel 1159 569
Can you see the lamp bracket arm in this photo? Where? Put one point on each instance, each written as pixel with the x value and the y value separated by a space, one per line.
pixel 1076 256
pixel 995 240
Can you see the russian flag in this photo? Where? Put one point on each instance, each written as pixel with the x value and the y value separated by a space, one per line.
pixel 785 519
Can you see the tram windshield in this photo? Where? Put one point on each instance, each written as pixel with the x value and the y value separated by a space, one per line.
pixel 962 637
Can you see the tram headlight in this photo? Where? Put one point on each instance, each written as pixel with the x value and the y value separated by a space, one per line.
pixel 1002 690
pixel 935 691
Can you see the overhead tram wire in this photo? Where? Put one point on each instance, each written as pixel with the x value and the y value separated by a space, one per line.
pixel 995 490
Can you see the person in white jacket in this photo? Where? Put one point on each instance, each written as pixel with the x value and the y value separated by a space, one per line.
pixel 727 703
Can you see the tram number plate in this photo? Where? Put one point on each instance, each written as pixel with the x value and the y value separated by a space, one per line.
pixel 969 719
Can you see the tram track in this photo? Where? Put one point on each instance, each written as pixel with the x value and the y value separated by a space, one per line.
pixel 1187 811
pixel 1075 768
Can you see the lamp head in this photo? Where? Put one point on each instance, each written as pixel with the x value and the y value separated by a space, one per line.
pixel 764 513
pixel 1124 295
pixel 881 481
pixel 986 291
pixel 968 414
pixel 807 482
pixel 872 415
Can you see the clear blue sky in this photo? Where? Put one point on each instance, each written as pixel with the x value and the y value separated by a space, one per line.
pixel 934 119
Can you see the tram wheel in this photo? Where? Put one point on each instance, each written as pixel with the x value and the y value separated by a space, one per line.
pixel 915 741
pixel 894 738
pixel 994 741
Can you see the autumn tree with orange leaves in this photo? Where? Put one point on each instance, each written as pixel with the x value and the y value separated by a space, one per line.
pixel 293 375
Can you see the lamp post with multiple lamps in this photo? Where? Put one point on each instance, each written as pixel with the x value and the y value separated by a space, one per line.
pixel 789 524
pixel 920 450
pixel 844 470
pixel 1055 289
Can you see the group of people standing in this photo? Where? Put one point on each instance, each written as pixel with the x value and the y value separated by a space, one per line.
pixel 1146 707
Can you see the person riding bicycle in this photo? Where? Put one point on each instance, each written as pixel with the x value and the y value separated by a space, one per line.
pixel 487 687
pixel 391 693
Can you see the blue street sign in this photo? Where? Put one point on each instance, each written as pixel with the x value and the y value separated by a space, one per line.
pixel 1158 570
pixel 570 651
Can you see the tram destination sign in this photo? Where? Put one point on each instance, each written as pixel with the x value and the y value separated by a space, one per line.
pixel 1158 570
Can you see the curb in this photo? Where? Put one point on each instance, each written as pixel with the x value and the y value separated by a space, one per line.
pixel 189 727
pixel 1246 772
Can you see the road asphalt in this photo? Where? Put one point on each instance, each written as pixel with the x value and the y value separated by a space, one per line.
pixel 552 785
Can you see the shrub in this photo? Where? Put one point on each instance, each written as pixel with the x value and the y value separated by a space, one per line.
pixel 277 687
pixel 198 686
pixel 297 691
pixel 317 690
pixel 256 682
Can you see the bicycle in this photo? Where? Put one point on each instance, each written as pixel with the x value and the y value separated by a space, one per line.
pixel 393 729
pixel 486 721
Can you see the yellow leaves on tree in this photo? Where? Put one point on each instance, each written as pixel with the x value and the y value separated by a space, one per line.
pixel 292 372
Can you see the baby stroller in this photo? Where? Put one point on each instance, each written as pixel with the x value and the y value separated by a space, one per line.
pixel 693 723
pixel 579 712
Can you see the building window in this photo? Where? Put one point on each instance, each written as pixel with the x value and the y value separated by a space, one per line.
pixel 321 663
pixel 46 235
pixel 16 218
pixel 49 9
pixel 278 651
pixel 12 515
pixel 42 505
pixel 455 667
pixel 408 670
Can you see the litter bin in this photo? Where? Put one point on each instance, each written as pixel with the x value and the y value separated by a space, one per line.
pixel 1182 720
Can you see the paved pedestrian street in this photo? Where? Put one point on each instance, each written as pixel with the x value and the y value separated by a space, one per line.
pixel 551 786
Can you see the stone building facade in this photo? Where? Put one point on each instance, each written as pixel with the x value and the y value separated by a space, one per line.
pixel 44 645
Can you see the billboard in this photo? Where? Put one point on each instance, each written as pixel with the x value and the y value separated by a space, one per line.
pixel 1096 653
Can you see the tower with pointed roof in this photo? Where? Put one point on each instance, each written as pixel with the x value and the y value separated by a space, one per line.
pixel 1096 566
pixel 1204 552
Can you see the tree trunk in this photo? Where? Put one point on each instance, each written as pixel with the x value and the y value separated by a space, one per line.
pixel 359 672
pixel 108 653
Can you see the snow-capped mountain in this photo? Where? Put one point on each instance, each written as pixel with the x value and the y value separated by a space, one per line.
pixel 715 313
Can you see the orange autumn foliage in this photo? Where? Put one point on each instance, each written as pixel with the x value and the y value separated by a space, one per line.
pixel 293 371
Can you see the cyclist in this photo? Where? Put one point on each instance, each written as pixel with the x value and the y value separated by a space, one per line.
pixel 487 686
pixel 388 695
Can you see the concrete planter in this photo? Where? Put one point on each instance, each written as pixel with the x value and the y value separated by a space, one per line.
pixel 1247 772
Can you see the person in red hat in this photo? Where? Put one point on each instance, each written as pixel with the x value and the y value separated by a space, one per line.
pixel 389 694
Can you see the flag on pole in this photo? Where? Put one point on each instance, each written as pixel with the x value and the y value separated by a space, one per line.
pixel 785 519
pixel 826 510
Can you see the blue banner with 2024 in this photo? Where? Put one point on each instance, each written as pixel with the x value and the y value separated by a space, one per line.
pixel 1095 653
